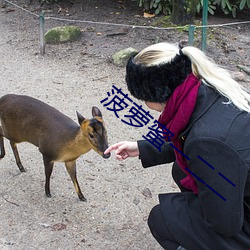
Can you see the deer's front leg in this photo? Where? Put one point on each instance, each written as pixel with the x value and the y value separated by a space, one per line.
pixel 71 168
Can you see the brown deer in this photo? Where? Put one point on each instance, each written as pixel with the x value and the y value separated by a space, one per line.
pixel 59 138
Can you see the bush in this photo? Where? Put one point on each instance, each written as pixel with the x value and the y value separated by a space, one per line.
pixel 156 6
pixel 165 6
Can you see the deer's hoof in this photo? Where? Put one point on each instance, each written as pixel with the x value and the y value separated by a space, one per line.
pixel 82 198
pixel 48 195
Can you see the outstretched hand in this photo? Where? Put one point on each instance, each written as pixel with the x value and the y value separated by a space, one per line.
pixel 124 150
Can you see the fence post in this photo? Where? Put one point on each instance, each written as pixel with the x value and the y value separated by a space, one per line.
pixel 42 31
pixel 204 24
pixel 191 35
pixel 2 3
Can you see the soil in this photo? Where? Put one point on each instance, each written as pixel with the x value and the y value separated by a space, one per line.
pixel 77 76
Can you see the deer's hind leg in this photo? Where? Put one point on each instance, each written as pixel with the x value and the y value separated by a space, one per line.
pixel 15 151
pixel 1 144
pixel 48 164
pixel 71 168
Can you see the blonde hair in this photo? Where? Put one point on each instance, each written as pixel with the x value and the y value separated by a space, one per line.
pixel 203 67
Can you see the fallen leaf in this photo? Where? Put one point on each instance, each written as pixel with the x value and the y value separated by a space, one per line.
pixel 147 15
pixel 147 193
pixel 58 227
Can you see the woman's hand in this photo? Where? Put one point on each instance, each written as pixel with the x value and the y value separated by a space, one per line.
pixel 124 150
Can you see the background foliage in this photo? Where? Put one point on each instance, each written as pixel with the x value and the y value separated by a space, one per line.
pixel 227 6
pixel 165 6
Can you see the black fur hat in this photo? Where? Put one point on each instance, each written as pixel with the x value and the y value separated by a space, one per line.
pixel 156 83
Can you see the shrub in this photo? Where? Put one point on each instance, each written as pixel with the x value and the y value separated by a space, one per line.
pixel 157 6
pixel 165 6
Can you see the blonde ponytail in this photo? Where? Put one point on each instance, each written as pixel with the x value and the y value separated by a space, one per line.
pixel 202 67
pixel 217 78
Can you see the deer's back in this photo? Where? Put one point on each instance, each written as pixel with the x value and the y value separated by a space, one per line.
pixel 24 118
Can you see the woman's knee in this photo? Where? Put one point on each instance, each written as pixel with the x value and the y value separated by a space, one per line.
pixel 159 229
pixel 153 218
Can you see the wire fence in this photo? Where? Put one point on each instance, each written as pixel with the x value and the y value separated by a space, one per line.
pixel 191 28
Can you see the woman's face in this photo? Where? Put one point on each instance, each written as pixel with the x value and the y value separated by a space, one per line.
pixel 156 106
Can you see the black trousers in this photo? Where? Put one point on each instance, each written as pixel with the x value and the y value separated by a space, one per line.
pixel 179 221
pixel 156 222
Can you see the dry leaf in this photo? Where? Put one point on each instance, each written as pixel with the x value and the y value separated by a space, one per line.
pixel 147 15
pixel 58 227
pixel 147 193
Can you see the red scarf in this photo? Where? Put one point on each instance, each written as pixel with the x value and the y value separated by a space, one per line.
pixel 176 115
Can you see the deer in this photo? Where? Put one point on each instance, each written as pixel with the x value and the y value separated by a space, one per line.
pixel 58 138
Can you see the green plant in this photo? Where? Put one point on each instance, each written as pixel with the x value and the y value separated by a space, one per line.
pixel 244 3
pixel 227 7
pixel 211 7
pixel 158 6
pixel 165 6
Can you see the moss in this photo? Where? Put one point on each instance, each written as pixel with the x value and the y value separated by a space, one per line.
pixel 163 22
pixel 63 34
pixel 121 58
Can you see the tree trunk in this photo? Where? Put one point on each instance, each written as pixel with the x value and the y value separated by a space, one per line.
pixel 183 11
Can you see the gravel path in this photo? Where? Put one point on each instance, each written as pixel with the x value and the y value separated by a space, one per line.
pixel 120 194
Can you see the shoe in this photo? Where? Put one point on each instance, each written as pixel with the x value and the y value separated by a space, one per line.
pixel 181 248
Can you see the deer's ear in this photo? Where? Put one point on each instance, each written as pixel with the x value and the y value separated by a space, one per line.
pixel 96 112
pixel 80 118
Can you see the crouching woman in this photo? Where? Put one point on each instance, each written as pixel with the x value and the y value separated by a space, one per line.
pixel 208 115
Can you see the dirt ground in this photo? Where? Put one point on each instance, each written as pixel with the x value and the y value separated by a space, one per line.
pixel 77 76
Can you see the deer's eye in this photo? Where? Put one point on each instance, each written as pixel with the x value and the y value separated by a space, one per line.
pixel 91 136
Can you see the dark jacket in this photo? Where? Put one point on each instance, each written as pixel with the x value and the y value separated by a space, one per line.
pixel 217 141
